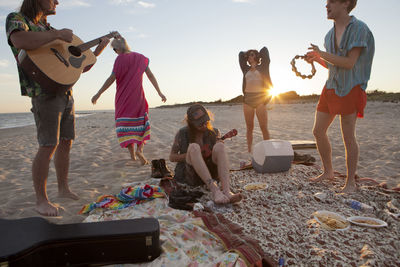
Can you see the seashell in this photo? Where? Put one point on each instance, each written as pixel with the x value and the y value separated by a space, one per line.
pixel 320 196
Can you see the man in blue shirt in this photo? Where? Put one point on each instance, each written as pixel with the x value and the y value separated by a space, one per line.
pixel 349 53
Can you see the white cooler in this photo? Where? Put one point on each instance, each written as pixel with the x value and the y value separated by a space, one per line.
pixel 272 156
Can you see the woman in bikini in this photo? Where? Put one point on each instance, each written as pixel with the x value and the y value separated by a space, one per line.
pixel 256 85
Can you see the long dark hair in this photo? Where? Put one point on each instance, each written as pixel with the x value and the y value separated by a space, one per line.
pixel 193 129
pixel 32 10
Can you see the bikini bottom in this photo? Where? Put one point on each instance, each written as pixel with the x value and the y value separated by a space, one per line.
pixel 256 99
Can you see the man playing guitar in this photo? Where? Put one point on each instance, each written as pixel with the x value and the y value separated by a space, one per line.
pixel 53 111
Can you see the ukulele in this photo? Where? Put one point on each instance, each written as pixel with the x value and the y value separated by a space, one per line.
pixel 205 149
pixel 57 65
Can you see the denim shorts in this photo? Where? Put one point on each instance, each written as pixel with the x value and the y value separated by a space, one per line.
pixel 54 117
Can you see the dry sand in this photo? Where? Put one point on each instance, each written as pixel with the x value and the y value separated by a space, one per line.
pixel 99 166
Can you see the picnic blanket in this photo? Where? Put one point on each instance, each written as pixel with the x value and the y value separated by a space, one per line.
pixel 186 241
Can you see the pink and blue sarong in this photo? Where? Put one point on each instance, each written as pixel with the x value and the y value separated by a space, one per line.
pixel 131 107
pixel 127 197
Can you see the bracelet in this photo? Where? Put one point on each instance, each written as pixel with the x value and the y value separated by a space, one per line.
pixel 293 62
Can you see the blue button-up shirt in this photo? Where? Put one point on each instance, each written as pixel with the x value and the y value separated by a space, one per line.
pixel 357 34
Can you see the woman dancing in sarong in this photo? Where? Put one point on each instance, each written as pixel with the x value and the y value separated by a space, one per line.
pixel 131 108
pixel 256 84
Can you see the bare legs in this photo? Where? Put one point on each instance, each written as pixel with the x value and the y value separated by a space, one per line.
pixel 262 116
pixel 40 171
pixel 321 125
pixel 195 159
pixel 138 153
pixel 348 124
pixel 132 151
pixel 220 159
pixel 61 162
pixel 249 118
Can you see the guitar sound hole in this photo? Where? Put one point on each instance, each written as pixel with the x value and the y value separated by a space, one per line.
pixel 75 51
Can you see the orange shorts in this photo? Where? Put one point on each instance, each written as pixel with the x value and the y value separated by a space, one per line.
pixel 355 101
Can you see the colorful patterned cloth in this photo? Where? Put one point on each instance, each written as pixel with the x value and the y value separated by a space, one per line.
pixel 132 130
pixel 18 22
pixel 129 196
pixel 185 240
pixel 131 107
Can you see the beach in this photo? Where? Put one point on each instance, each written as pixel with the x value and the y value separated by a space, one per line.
pixel 99 166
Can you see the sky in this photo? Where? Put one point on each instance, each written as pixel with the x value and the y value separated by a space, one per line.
pixel 193 45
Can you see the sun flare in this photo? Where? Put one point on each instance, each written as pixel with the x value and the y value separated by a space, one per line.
pixel 274 92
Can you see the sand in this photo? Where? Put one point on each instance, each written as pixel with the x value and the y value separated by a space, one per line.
pixel 99 166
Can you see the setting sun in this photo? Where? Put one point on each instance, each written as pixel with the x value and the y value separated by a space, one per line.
pixel 274 92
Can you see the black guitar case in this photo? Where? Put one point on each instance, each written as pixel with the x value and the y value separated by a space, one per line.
pixel 37 242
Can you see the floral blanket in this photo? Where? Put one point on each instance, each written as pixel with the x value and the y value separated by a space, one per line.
pixel 185 239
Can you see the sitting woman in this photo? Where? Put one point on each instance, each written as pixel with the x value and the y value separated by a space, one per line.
pixel 201 156
pixel 255 86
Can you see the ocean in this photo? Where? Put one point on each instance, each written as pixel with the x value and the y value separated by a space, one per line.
pixel 13 120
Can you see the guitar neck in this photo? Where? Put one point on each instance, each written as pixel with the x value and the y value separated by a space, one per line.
pixel 85 46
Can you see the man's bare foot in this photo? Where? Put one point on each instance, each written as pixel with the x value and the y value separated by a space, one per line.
pixel 233 198
pixel 68 194
pixel 324 176
pixel 47 209
pixel 349 187
pixel 219 197
pixel 142 158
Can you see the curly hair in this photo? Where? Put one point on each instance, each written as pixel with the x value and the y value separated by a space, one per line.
pixel 352 4
pixel 257 59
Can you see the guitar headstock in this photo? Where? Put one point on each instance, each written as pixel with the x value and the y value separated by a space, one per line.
pixel 230 134
pixel 115 35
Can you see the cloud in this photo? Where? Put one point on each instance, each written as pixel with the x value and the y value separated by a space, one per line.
pixel 10 4
pixel 146 4
pixel 129 29
pixel 242 1
pixel 74 3
pixel 120 2
pixel 4 63
pixel 142 36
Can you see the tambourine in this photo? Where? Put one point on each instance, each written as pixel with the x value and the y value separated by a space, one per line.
pixel 293 63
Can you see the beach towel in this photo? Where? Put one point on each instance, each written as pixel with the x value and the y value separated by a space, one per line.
pixel 127 197
pixel 185 240
pixel 131 107
pixel 234 239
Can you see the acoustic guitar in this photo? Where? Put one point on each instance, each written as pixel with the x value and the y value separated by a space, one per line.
pixel 206 150
pixel 57 66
